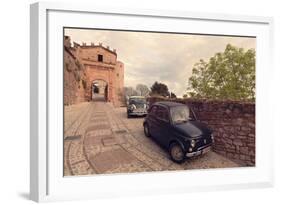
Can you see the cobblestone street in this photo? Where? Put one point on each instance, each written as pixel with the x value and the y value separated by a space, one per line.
pixel 99 139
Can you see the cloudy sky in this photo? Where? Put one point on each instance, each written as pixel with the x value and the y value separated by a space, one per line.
pixel 166 58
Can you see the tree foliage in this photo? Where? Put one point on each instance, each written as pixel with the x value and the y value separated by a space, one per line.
pixel 159 89
pixel 227 75
pixel 173 95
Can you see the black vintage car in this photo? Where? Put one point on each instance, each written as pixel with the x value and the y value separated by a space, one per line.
pixel 136 106
pixel 175 127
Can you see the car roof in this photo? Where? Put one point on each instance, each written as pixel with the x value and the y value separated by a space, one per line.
pixel 168 103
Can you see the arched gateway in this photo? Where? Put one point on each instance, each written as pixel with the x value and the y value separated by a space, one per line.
pixel 99 90
pixel 104 74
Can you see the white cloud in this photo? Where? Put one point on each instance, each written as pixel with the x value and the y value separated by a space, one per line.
pixel 167 58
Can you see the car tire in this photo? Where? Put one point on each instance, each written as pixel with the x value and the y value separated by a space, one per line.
pixel 146 130
pixel 128 116
pixel 176 153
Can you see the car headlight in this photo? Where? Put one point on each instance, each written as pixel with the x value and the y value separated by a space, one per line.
pixel 192 143
pixel 133 107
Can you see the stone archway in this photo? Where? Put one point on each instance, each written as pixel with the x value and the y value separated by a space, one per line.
pixel 99 90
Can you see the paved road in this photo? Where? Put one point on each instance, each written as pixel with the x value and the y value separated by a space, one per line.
pixel 99 139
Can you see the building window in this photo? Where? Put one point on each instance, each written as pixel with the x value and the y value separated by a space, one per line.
pixel 100 58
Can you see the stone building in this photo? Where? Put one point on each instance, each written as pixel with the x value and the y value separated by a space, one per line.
pixel 74 75
pixel 104 73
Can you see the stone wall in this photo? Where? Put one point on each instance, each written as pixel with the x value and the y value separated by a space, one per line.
pixel 119 85
pixel 233 125
pixel 75 81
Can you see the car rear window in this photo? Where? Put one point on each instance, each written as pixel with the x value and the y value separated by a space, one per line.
pixel 180 114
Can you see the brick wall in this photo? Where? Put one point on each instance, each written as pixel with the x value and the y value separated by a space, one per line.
pixel 233 125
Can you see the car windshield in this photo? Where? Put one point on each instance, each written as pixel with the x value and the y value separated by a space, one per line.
pixel 137 101
pixel 180 114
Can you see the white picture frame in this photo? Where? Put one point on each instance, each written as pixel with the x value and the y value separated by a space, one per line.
pixel 46 177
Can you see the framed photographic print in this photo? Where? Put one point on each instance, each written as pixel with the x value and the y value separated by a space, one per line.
pixel 127 102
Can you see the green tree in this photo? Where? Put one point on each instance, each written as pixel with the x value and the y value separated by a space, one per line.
pixel 185 96
pixel 159 89
pixel 227 75
pixel 173 95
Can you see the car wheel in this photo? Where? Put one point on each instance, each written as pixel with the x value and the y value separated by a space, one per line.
pixel 176 153
pixel 146 130
pixel 128 116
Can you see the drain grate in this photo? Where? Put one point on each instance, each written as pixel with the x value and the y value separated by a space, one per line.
pixel 74 137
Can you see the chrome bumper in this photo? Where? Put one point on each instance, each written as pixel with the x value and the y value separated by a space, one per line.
pixel 138 113
pixel 202 150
